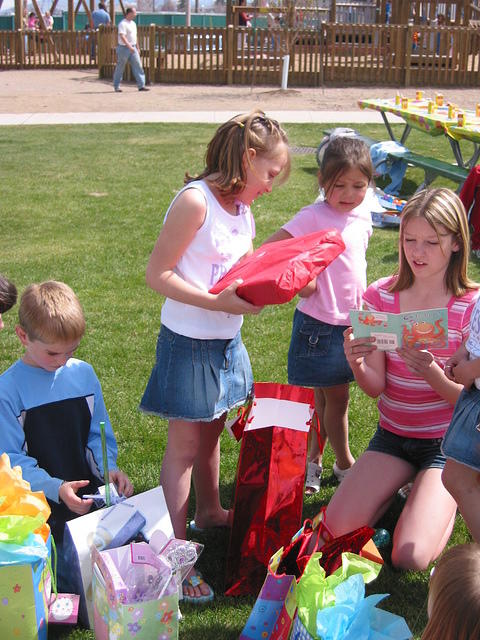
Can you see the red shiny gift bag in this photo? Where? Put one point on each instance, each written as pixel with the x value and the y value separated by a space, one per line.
pixel 270 477
pixel 276 271
pixel 316 536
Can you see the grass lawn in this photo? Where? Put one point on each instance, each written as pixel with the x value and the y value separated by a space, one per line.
pixel 84 204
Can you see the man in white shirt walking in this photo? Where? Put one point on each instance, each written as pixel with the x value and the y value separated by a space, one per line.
pixel 127 51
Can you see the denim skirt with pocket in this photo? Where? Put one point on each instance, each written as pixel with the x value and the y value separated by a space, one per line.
pixel 197 380
pixel 316 357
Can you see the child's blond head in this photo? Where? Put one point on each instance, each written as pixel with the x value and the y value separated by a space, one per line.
pixel 51 312
pixel 454 595
pixel 225 157
pixel 442 209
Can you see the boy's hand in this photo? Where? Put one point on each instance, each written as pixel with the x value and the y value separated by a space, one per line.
pixel 122 482
pixel 68 495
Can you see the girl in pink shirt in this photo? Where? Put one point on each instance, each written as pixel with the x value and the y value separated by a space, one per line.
pixel 316 357
pixel 416 398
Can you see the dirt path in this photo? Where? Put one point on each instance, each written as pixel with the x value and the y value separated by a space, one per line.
pixel 42 91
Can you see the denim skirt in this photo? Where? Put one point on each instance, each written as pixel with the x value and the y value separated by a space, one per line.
pixel 316 357
pixel 197 380
pixel 462 440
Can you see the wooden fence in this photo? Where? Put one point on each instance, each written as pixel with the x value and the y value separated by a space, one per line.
pixel 48 50
pixel 335 54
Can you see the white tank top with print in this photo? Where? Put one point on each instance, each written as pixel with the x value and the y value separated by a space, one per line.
pixel 219 243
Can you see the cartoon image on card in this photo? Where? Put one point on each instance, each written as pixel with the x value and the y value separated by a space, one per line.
pixel 422 329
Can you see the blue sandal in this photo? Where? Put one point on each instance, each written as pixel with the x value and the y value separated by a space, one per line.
pixel 196 580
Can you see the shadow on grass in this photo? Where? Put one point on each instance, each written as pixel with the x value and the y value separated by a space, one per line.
pixel 312 171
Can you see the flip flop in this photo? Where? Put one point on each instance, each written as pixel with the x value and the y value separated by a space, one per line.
pixel 195 581
pixel 192 525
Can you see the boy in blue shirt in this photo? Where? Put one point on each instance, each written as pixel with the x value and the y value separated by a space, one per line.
pixel 51 406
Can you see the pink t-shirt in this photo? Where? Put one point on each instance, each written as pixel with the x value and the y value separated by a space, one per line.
pixel 340 287
pixel 409 406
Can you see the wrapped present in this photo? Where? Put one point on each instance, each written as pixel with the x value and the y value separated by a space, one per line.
pixel 268 498
pixel 277 271
pixel 25 549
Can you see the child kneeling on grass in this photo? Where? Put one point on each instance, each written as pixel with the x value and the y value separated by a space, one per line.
pixel 416 398
pixel 51 406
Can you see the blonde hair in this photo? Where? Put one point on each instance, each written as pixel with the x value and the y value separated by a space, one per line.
pixel 440 208
pixel 51 312
pixel 454 595
pixel 227 149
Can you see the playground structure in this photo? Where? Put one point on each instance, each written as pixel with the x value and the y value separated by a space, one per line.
pixel 310 14
pixel 416 52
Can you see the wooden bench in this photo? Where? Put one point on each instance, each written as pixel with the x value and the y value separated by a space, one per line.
pixel 328 132
pixel 431 167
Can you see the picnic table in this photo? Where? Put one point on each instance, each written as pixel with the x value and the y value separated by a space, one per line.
pixel 416 115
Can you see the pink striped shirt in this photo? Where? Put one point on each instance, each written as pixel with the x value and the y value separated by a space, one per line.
pixel 409 407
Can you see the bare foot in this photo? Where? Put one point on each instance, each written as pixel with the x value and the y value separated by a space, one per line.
pixel 221 519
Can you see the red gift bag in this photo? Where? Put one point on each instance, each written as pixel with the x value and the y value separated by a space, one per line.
pixel 268 499
pixel 276 271
pixel 316 536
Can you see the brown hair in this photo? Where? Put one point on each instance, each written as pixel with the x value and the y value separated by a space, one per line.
pixel 227 149
pixel 342 154
pixel 8 294
pixel 440 208
pixel 454 595
pixel 51 312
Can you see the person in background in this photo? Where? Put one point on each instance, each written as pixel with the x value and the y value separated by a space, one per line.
pixel 32 22
pixel 100 16
pixel 128 51
pixel 244 18
pixel 48 20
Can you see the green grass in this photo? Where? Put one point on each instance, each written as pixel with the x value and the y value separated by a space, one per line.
pixel 85 205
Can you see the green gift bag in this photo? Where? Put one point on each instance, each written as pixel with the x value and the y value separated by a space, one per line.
pixel 25 548
pixel 24 588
